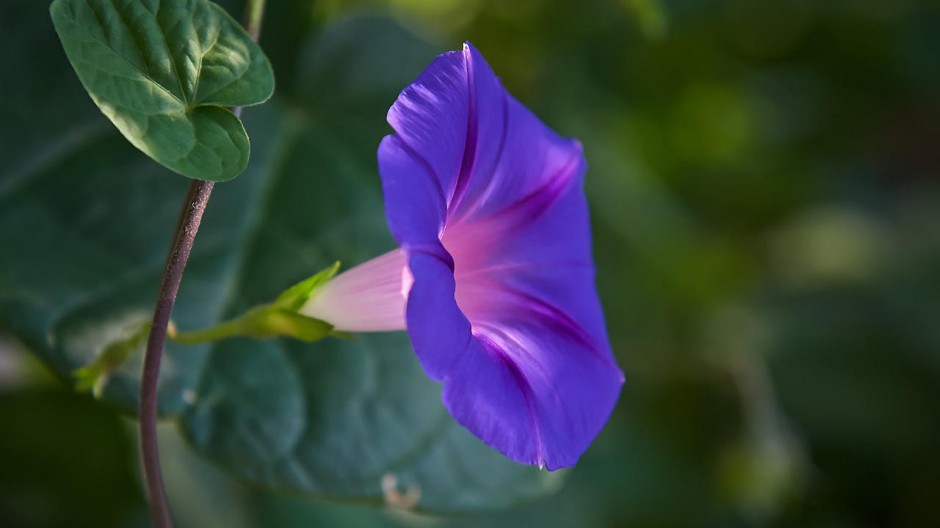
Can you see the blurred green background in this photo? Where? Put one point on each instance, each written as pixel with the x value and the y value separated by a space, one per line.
pixel 765 192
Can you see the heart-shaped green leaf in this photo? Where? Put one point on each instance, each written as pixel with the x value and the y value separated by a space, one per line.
pixel 84 247
pixel 163 72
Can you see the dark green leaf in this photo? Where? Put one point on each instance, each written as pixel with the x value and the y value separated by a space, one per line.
pixel 163 71
pixel 334 418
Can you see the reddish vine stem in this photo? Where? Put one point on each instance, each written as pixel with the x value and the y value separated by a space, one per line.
pixel 188 225
pixel 186 228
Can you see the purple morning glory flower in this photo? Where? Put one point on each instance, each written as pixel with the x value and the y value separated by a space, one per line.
pixel 494 279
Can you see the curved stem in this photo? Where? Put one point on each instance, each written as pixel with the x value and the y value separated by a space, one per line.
pixel 186 228
pixel 253 323
pixel 188 225
pixel 254 13
pixel 223 330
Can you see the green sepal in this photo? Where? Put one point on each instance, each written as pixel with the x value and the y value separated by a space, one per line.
pixel 297 295
pixel 341 334
pixel 281 318
pixel 292 324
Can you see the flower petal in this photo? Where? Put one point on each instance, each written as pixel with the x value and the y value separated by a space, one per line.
pixel 431 117
pixel 531 297
pixel 414 202
pixel 488 203
pixel 439 331
pixel 549 260
pixel 531 392
pixel 486 127
pixel 515 155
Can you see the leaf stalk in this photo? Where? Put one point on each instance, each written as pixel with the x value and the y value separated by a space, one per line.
pixel 197 198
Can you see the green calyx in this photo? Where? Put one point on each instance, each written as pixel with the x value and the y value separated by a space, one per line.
pixel 280 318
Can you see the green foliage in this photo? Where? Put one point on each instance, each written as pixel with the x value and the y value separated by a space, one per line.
pixel 336 419
pixel 163 73
pixel 764 196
